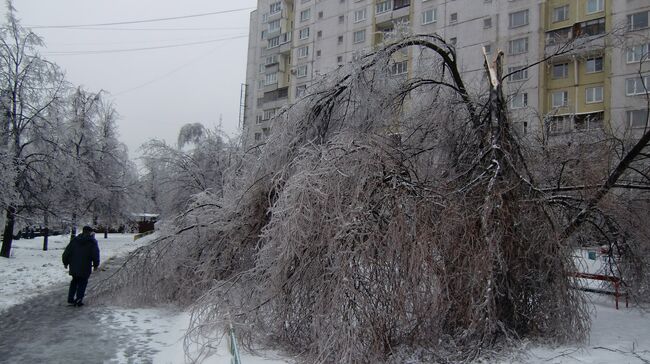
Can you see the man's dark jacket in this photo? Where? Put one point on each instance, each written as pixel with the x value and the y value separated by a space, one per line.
pixel 81 255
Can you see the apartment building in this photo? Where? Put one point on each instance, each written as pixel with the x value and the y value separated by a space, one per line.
pixel 599 85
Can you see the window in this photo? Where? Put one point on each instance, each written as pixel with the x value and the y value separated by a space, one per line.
pixel 303 33
pixel 559 124
pixel 518 19
pixel 592 121
pixel 518 46
pixel 399 68
pixel 488 48
pixel 269 60
pixel 341 19
pixel 273 42
pixel 637 118
pixel 301 90
pixel 637 53
pixel 453 17
pixel 320 15
pixel 359 36
pixel 637 21
pixel 301 71
pixel 258 137
pixel 303 51
pixel 487 23
pixel 560 70
pixel 276 7
pixel 318 53
pixel 558 36
pixel 263 34
pixel 305 15
pixel 429 16
pixel 258 119
pixel 637 85
pixel 561 13
pixel 274 26
pixel 453 41
pixel 319 34
pixel 594 94
pixel 560 98
pixel 271 78
pixel 268 114
pixel 360 15
pixel 518 101
pixel 594 6
pixel 594 64
pixel 592 27
pixel 339 59
pixel 340 39
pixel 382 7
pixel 398 4
pixel 519 73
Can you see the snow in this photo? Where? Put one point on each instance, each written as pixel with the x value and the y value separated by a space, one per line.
pixel 618 336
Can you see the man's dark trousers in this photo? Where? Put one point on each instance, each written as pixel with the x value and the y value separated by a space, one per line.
pixel 78 288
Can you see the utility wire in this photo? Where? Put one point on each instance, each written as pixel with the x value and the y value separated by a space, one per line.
pixel 156 29
pixel 77 53
pixel 141 21
pixel 167 74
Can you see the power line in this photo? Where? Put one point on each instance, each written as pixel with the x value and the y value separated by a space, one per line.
pixel 156 29
pixel 76 53
pixel 142 21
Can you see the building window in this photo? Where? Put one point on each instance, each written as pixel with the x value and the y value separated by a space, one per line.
pixel 318 53
pixel 276 7
pixel 518 19
pixel 262 68
pixel 320 15
pixel 592 121
pixel 559 98
pixel 263 35
pixel 594 6
pixel 637 21
pixel 303 51
pixel 360 15
pixel 382 7
pixel 319 34
pixel 558 36
pixel 301 71
pixel 301 90
pixel 269 60
pixel 594 64
pixel 399 68
pixel 488 48
pixel 341 19
pixel 518 46
pixel 637 53
pixel 560 70
pixel 274 26
pixel 487 23
pixel 637 118
pixel 268 114
pixel 561 13
pixel 637 85
pixel 258 137
pixel 594 94
pixel 359 36
pixel 453 17
pixel 398 4
pixel 591 28
pixel 273 42
pixel 453 41
pixel 339 59
pixel 340 39
pixel 303 33
pixel 271 78
pixel 519 100
pixel 429 16
pixel 305 15
pixel 559 124
pixel 518 73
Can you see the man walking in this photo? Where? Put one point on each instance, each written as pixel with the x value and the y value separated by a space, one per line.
pixel 81 254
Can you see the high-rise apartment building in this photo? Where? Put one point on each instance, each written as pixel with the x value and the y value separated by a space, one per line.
pixel 600 85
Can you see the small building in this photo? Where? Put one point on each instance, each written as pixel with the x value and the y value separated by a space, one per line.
pixel 144 222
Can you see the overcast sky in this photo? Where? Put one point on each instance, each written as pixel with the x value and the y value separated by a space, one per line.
pixel 155 91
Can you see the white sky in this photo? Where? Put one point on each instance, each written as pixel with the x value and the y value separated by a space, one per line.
pixel 155 91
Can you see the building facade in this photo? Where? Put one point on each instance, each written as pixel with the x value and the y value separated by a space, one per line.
pixel 600 82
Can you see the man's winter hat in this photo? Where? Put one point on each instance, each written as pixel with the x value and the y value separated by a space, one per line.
pixel 87 229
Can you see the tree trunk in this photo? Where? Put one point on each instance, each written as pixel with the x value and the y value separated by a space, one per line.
pixel 46 231
pixel 8 234
pixel 73 228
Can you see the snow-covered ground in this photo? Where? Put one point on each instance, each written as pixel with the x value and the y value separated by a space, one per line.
pixel 618 336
